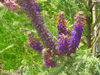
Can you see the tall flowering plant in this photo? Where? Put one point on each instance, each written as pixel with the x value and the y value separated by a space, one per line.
pixel 67 41
pixel 66 45
pixel 76 32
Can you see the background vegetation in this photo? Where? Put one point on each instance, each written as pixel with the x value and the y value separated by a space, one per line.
pixel 15 53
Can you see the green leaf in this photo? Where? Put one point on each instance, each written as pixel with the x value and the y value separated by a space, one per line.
pixel 44 16
pixel 6 48
pixel 58 70
pixel 38 68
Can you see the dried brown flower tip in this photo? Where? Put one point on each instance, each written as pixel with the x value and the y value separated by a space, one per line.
pixel 29 33
pixel 68 32
pixel 44 54
pixel 81 14
pixel 64 37
pixel 80 17
pixel 61 14
pixel 44 51
pixel 30 37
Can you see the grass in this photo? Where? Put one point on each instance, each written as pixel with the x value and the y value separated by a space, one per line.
pixel 14 51
pixel 13 44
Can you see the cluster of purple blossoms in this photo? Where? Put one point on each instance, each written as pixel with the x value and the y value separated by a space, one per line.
pixel 37 6
pixel 33 42
pixel 46 54
pixel 47 61
pixel 61 23
pixel 32 8
pixel 10 4
pixel 63 34
pixel 19 71
pixel 63 43
pixel 75 36
pixel 65 46
pixel 76 33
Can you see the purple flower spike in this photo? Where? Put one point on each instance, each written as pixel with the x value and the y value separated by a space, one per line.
pixel 37 7
pixel 63 35
pixel 46 57
pixel 31 7
pixel 63 43
pixel 61 23
pixel 18 71
pixel 33 42
pixel 10 4
pixel 76 33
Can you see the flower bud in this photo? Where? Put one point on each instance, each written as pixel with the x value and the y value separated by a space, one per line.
pixel 46 57
pixel 33 42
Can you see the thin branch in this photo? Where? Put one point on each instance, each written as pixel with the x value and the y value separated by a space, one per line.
pixel 90 8
pixel 92 37
pixel 96 35
pixel 94 41
pixel 96 32
pixel 95 23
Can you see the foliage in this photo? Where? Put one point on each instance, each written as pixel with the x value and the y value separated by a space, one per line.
pixel 15 52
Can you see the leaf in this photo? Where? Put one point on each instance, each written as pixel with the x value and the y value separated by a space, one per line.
pixel 6 48
pixel 43 68
pixel 58 70
pixel 38 68
pixel 44 16
pixel 85 73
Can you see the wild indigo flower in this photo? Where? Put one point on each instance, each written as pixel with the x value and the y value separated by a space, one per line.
pixel 37 6
pixel 76 33
pixel 33 42
pixel 31 8
pixel 61 23
pixel 10 4
pixel 63 43
pixel 63 34
pixel 46 57
pixel 18 71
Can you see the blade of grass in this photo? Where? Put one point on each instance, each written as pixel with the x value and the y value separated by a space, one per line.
pixel 6 48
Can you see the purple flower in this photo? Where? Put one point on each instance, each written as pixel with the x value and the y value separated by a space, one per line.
pixel 33 42
pixel 68 45
pixel 31 7
pixel 37 6
pixel 61 23
pixel 10 4
pixel 63 43
pixel 18 71
pixel 76 33
pixel 63 35
pixel 46 57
